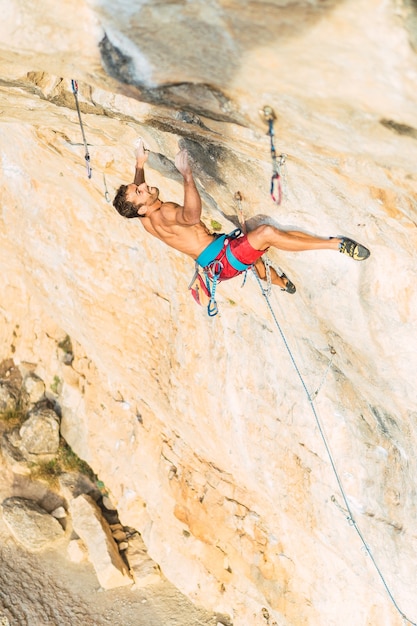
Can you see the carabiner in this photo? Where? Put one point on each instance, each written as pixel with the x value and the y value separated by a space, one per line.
pixel 87 162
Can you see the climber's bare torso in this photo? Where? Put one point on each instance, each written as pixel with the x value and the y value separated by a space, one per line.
pixel 166 221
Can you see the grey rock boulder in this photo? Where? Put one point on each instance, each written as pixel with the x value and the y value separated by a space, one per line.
pixel 40 432
pixel 8 397
pixel 30 524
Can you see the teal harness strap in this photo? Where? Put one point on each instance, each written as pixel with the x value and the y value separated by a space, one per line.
pixel 235 263
pixel 207 260
pixel 213 249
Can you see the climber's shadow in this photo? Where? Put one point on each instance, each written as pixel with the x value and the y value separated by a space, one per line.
pixel 260 219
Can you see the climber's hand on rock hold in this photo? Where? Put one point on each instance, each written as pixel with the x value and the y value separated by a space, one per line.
pixel 182 164
pixel 140 153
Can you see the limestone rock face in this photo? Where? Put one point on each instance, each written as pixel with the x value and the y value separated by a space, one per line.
pixel 200 428
pixel 77 552
pixel 94 531
pixel 73 484
pixel 39 433
pixel 145 571
pixel 30 524
pixel 34 387
pixel 8 399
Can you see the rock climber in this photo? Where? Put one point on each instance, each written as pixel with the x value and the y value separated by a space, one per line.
pixel 181 228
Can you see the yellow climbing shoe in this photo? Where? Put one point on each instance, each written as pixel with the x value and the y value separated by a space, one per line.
pixel 354 250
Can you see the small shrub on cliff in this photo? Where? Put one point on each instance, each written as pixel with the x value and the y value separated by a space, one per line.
pixel 70 462
pixel 216 226
pixel 65 461
pixel 47 471
pixel 14 412
pixel 56 385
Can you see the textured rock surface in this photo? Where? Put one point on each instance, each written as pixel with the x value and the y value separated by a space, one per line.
pixel 199 428
pixel 45 587
pixel 30 524
pixel 144 570
pixel 94 531
pixel 8 400
pixel 34 387
pixel 77 551
pixel 40 432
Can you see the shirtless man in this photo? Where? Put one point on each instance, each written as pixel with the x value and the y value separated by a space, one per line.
pixel 181 228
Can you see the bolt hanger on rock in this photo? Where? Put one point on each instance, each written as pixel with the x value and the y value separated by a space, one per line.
pixel 74 87
pixel 106 191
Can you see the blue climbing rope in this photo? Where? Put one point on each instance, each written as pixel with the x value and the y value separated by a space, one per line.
pixel 349 517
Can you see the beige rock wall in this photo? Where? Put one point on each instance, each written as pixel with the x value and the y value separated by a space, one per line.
pixel 199 427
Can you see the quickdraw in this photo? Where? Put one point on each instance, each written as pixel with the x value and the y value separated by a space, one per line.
pixel 106 191
pixel 276 179
pixel 74 87
pixel 215 270
pixel 277 162
pixel 265 259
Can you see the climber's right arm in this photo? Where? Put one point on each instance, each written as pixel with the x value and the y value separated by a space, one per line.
pixel 141 158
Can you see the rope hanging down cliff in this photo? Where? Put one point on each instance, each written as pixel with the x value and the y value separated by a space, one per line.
pixel 269 115
pixel 310 397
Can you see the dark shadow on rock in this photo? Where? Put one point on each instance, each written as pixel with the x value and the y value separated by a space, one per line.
pixel 218 45
pixel 165 166
pixel 399 129
pixel 259 219
pixel 386 423
pixel 411 22
pixel 194 98
pixel 207 159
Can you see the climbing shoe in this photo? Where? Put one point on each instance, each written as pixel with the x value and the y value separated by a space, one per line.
pixel 289 286
pixel 354 250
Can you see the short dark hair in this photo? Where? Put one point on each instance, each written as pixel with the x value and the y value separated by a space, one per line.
pixel 123 206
